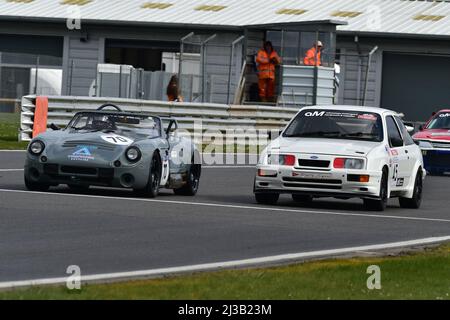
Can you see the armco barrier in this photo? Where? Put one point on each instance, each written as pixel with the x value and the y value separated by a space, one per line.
pixel 213 117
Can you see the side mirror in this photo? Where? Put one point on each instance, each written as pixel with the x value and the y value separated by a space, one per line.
pixel 421 128
pixel 54 127
pixel 409 128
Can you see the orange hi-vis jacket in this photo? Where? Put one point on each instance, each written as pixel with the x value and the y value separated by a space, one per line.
pixel 266 68
pixel 310 58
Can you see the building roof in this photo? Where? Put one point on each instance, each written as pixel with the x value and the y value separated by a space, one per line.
pixel 414 17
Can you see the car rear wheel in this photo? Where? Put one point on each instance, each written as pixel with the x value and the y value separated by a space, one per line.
pixel 267 198
pixel 34 186
pixel 416 200
pixel 154 179
pixel 192 183
pixel 302 198
pixel 381 203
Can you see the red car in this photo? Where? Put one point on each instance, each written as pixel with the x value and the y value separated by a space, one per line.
pixel 434 140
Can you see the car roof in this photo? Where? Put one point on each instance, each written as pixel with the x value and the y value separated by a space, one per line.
pixel 351 108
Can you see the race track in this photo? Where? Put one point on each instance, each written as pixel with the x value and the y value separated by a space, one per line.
pixel 108 231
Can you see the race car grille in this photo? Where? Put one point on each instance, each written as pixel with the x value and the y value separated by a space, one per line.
pixel 326 181
pixel 333 184
pixel 50 169
pixel 312 186
pixel 313 163
pixel 78 143
pixel 102 176
pixel 79 170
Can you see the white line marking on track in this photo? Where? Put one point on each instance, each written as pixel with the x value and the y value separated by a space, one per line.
pixel 231 206
pixel 203 167
pixel 228 167
pixel 253 262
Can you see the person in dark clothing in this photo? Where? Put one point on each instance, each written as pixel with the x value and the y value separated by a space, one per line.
pixel 173 91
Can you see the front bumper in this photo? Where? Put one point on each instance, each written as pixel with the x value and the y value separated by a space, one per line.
pixel 95 174
pixel 330 183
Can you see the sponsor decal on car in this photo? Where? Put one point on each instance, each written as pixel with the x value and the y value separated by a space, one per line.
pixel 400 182
pixel 82 153
pixel 343 114
pixel 368 116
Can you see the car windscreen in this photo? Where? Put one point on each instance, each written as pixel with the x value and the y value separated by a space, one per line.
pixel 440 121
pixel 336 124
pixel 91 122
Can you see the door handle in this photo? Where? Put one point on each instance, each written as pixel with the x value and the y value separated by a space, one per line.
pixel 406 151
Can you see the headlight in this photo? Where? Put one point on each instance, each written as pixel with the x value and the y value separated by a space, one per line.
pixel 348 163
pixel 281 159
pixel 424 144
pixel 36 147
pixel 133 154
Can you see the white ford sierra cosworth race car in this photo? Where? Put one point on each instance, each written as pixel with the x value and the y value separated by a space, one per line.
pixel 343 152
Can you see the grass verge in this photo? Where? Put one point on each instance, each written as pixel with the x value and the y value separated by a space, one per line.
pixel 9 131
pixel 422 275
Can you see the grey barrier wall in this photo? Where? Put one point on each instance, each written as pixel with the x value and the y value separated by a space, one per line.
pixel 200 117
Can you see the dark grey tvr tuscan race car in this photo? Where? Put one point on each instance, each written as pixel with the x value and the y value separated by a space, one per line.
pixel 114 149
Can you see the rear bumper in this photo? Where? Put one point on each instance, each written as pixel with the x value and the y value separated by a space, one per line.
pixel 334 183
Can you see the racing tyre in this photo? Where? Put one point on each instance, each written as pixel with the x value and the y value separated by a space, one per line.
pixel 154 179
pixel 192 183
pixel 301 198
pixel 267 198
pixel 416 200
pixel 33 186
pixel 379 204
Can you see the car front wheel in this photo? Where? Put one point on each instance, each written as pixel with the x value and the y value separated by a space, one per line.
pixel 381 203
pixel 416 200
pixel 154 179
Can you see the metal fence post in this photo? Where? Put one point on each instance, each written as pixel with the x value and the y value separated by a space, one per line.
pixel 180 60
pixel 233 45
pixel 204 55
pixel 366 80
pixel 36 75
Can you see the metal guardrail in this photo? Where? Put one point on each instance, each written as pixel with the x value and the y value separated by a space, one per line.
pixel 212 117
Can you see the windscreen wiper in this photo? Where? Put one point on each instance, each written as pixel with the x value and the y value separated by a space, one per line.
pixel 314 134
pixel 359 134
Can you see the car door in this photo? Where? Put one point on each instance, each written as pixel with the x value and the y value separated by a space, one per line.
pixel 399 154
pixel 413 153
